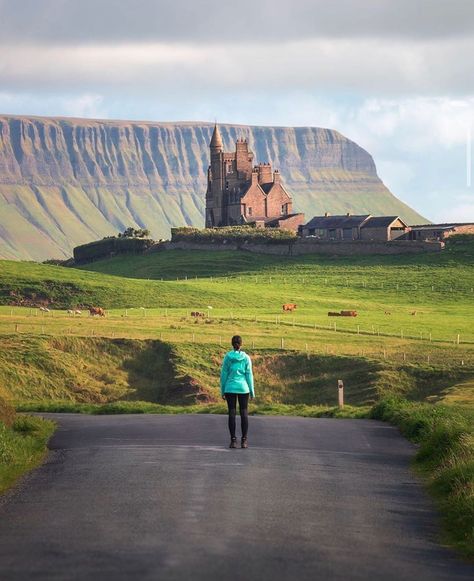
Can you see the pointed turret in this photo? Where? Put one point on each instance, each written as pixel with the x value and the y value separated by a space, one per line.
pixel 216 144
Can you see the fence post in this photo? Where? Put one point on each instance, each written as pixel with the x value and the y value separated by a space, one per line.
pixel 340 392
pixel 457 338
pixel 282 343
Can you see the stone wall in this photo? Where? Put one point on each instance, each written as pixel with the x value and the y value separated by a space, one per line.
pixel 310 246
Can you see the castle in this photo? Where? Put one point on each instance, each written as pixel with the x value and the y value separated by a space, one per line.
pixel 240 193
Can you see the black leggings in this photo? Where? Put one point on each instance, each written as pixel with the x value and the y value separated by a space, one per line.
pixel 243 409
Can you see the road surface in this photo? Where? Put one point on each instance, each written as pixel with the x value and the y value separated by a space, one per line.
pixel 162 497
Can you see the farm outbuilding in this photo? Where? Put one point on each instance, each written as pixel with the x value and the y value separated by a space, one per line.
pixel 427 232
pixel 349 228
pixel 383 228
pixel 328 227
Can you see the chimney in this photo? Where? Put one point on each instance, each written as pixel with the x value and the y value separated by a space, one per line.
pixel 348 214
pixel 265 174
pixel 255 176
pixel 326 214
pixel 276 177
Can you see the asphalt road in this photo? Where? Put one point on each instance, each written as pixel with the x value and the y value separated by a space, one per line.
pixel 162 497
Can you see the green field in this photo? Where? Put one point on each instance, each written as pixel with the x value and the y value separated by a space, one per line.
pixel 412 310
pixel 408 356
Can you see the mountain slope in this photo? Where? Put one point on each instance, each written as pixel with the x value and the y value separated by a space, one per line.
pixel 64 182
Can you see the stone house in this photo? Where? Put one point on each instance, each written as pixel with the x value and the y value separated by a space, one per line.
pixel 240 193
pixel 349 227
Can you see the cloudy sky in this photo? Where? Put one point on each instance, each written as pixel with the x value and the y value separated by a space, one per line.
pixel 394 75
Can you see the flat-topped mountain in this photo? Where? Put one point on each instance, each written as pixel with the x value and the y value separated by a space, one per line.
pixel 64 182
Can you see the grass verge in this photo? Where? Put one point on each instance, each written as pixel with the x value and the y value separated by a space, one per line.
pixel 445 459
pixel 22 446
pixel 144 407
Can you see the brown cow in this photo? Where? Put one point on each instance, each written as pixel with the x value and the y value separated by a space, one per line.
pixel 198 314
pixel 99 311
pixel 289 307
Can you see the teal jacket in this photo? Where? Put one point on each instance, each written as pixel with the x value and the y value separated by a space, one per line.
pixel 236 373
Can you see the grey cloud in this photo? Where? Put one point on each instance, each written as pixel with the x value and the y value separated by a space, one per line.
pixel 221 21
pixel 361 65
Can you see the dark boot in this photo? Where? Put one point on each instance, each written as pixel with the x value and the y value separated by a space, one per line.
pixel 233 443
pixel 243 443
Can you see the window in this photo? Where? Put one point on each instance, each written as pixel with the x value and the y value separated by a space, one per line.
pixel 332 235
pixel 229 168
pixel 284 209
pixel 249 211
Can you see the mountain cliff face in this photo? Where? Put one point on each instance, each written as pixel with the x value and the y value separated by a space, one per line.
pixel 64 182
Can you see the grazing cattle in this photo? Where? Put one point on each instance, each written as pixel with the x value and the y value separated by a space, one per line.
pixel 197 314
pixel 289 307
pixel 333 314
pixel 413 313
pixel 77 312
pixel 44 309
pixel 99 311
pixel 387 313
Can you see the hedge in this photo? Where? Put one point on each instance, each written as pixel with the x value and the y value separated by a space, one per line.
pixel 232 234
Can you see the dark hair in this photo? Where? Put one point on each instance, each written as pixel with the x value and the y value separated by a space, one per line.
pixel 236 342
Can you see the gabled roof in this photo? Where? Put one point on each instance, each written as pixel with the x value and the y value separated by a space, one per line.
pixel 381 221
pixel 249 185
pixel 332 222
pixel 267 187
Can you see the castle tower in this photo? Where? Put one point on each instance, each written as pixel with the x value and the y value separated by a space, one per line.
pixel 215 181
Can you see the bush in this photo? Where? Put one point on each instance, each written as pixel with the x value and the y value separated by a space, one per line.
pixel 232 234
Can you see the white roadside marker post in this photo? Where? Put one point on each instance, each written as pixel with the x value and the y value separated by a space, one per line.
pixel 340 392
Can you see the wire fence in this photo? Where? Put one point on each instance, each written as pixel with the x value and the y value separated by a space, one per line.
pixel 439 355
pixel 343 282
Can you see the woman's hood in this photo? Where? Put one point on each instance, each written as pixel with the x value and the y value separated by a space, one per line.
pixel 237 355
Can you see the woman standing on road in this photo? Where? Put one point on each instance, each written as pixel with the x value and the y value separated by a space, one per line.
pixel 237 383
